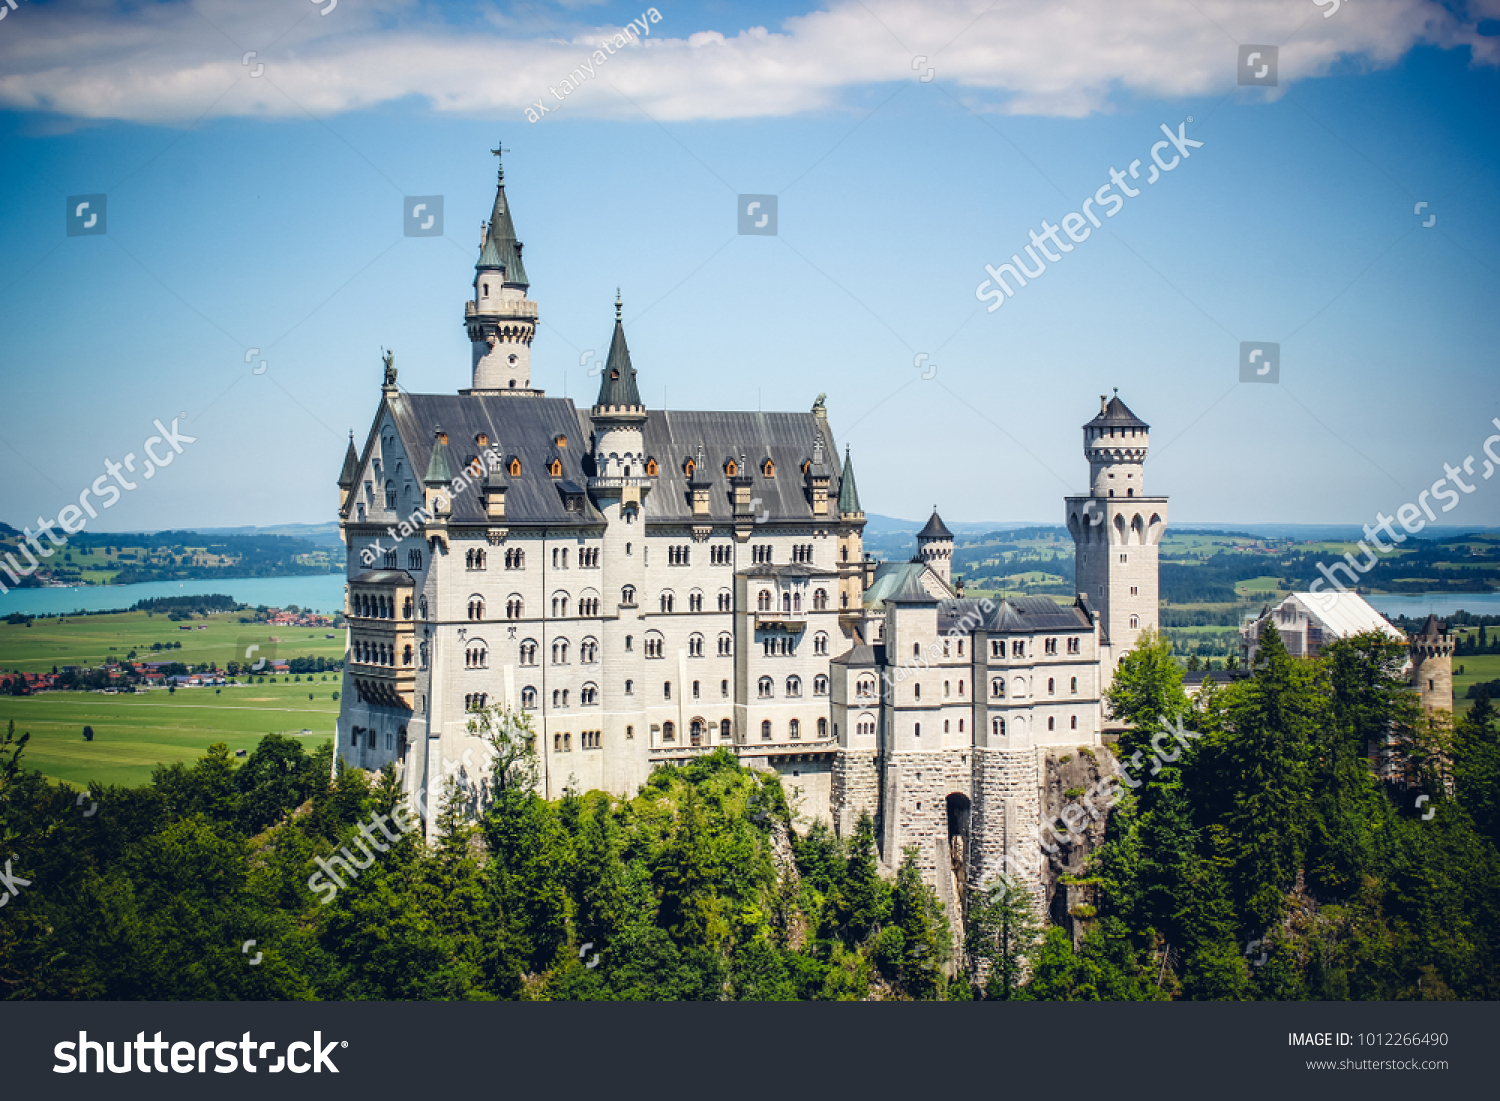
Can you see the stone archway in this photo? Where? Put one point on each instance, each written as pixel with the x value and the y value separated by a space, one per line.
pixel 960 810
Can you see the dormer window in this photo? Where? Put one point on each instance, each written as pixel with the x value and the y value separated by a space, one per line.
pixel 483 440
pixel 768 468
pixel 650 468
pixel 556 468
pixel 731 468
pixel 515 466
pixel 561 441
pixel 688 468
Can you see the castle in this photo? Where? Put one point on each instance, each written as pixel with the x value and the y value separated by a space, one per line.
pixel 650 586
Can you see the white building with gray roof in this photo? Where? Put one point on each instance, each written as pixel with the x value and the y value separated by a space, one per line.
pixel 652 585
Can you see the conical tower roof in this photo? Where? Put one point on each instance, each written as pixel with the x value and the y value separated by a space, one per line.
pixel 501 249
pixel 351 465
pixel 1113 413
pixel 848 491
pixel 617 386
pixel 935 528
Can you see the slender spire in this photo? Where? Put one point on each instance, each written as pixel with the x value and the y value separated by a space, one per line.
pixel 848 491
pixel 617 385
pixel 501 249
pixel 351 465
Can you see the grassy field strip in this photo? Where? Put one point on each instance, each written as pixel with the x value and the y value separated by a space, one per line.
pixel 135 733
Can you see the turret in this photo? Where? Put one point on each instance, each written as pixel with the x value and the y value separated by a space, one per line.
pixel 1116 528
pixel 500 319
pixel 935 547
pixel 1431 651
pixel 618 414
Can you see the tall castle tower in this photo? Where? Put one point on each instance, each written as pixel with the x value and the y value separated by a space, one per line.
pixel 1116 528
pixel 500 318
pixel 1432 665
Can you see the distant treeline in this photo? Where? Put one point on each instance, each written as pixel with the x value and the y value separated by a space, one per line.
pixel 208 602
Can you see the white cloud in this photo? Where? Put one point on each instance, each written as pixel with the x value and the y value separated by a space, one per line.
pixel 172 63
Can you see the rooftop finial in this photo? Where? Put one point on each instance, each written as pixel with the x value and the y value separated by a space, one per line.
pixel 618 303
pixel 500 165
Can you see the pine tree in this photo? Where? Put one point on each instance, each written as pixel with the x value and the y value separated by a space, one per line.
pixel 1003 931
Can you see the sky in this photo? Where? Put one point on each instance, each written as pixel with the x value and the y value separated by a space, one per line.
pixel 255 158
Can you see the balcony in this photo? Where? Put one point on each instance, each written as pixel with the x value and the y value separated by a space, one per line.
pixel 781 621
pixel 386 685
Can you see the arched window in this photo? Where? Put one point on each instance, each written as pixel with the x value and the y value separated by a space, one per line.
pixel 1051 687
pixel 627 595
pixel 766 687
pixel 786 602
pixel 695 601
pixel 528 699
pixel 414 560
pixel 588 651
pixel 726 645
pixel 794 729
pixel 822 728
pixel 726 600
pixel 556 468
pixel 866 687
pixel 997 726
pixel 668 732
pixel 406 655
pixel 726 731
pixel 763 601
pixel 820 643
pixel 695 732
pixel 650 468
pixel 1073 723
pixel 515 466
pixel 820 600
pixel 794 686
pixel 588 695
pixel 1135 621
pixel 820 685
pixel 667 600
pixel 528 652
pixel 515 608
pixel 695 646
pixel 1073 686
pixel 476 607
pixel 1051 723
pixel 765 730
pixel 997 688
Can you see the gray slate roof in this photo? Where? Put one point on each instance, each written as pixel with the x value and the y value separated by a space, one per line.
pixel 1115 414
pixel 672 437
pixel 935 528
pixel 516 426
pixel 1016 613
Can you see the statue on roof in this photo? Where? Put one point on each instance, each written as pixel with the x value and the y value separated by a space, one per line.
pixel 819 403
pixel 389 359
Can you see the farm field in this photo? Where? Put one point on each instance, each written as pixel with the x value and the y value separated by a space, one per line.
pixel 1477 667
pixel 135 733
pixel 90 640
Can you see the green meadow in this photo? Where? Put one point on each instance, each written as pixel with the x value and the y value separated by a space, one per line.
pixel 220 638
pixel 135 733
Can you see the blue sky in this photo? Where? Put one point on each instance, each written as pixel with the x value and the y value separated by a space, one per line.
pixel 265 212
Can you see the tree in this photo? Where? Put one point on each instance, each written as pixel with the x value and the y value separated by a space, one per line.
pixel 88 733
pixel 1003 932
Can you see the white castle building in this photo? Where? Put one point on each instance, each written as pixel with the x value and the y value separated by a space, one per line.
pixel 650 586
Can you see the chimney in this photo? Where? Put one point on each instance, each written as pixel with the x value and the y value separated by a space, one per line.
pixel 1103 403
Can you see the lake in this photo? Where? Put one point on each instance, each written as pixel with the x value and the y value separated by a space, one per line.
pixel 1440 604
pixel 319 592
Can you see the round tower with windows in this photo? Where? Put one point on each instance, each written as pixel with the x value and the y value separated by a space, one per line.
pixel 1431 651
